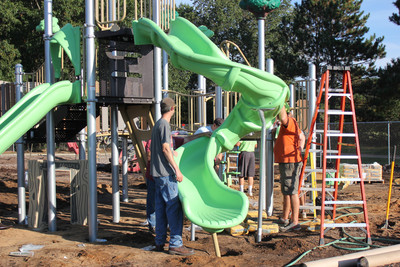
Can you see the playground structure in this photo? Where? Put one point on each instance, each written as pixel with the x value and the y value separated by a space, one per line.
pixel 134 96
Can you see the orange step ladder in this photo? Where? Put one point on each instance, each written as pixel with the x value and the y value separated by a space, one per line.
pixel 330 201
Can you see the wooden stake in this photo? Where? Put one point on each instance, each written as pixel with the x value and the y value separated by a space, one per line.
pixel 216 245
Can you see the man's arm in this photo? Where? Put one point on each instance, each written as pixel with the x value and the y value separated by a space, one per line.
pixel 170 158
pixel 283 117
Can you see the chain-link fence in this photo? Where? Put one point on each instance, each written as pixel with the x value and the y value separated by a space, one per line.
pixel 377 140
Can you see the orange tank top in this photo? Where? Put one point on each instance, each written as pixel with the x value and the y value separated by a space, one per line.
pixel 287 145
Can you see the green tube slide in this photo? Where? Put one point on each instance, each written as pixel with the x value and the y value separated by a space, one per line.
pixel 33 107
pixel 206 201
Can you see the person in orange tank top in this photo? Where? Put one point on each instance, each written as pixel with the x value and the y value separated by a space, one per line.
pixel 287 153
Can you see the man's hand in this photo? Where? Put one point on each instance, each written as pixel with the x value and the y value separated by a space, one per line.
pixel 179 175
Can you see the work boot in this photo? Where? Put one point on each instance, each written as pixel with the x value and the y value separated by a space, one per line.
pixel 181 251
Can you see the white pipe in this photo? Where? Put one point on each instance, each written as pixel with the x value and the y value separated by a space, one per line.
pixel 312 99
pixel 351 259
pixel 20 152
pixel 261 44
pixel 269 181
pixel 218 102
pixel 157 65
pixel 262 176
pixel 124 169
pixel 50 135
pixel 165 72
pixel 91 118
pixel 114 164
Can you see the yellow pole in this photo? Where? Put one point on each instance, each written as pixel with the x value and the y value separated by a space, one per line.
pixel 216 245
pixel 390 190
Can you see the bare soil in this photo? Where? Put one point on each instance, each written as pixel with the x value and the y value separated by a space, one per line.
pixel 124 241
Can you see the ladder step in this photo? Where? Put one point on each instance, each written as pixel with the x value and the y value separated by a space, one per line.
pixel 344 202
pixel 358 225
pixel 314 208
pixel 336 112
pixel 329 131
pixel 341 134
pixel 343 179
pixel 317 189
pixel 320 151
pixel 339 94
pixel 342 157
pixel 335 90
pixel 320 170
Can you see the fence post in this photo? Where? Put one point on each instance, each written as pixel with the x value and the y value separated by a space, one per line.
pixel 388 127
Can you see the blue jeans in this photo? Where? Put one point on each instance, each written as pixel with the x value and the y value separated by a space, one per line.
pixel 168 211
pixel 151 203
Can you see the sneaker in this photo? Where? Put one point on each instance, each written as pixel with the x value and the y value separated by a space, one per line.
pixel 181 251
pixel 304 215
pixel 290 227
pixel 283 222
pixel 158 248
pixel 250 194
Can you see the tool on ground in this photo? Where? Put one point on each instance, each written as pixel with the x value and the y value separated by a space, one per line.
pixel 386 225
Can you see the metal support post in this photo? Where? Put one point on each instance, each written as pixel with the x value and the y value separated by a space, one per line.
pixel 20 152
pixel 269 204
pixel 261 198
pixel 114 164
pixel 91 118
pixel 157 65
pixel 165 73
pixel 124 169
pixel 82 144
pixel 50 136
pixel 218 102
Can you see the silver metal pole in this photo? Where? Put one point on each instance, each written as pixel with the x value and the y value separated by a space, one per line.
pixel 261 198
pixel 292 95
pixel 312 99
pixel 269 181
pixel 82 144
pixel 20 152
pixel 165 72
pixel 114 163
pixel 218 102
pixel 124 169
pixel 50 136
pixel 270 65
pixel 199 100
pixel 157 65
pixel 203 101
pixel 91 118
pixel 261 44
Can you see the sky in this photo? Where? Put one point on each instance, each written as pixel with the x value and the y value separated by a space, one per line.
pixel 378 23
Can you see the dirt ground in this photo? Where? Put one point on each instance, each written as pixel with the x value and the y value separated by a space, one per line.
pixel 124 241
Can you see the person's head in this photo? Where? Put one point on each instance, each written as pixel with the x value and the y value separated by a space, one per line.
pixel 217 122
pixel 167 105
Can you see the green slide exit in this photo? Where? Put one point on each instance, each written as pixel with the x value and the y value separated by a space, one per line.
pixel 33 107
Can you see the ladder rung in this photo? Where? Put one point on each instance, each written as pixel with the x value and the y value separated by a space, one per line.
pixel 317 189
pixel 320 170
pixel 344 202
pixel 342 157
pixel 341 134
pixel 331 225
pixel 329 131
pixel 320 151
pixel 336 112
pixel 343 179
pixel 339 94
pixel 314 208
pixel 336 90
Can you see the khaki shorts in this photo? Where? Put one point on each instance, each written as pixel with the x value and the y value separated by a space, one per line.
pixel 290 173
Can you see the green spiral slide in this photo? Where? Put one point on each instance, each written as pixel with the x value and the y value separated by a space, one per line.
pixel 33 107
pixel 206 201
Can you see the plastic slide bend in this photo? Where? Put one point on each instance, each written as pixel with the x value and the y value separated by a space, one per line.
pixel 33 107
pixel 206 201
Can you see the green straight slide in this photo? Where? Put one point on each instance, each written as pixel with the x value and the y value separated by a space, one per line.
pixel 206 201
pixel 33 107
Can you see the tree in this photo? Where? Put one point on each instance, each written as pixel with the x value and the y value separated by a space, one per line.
pixel 328 32
pixel 395 18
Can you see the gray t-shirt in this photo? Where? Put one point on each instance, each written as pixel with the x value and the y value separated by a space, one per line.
pixel 159 165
